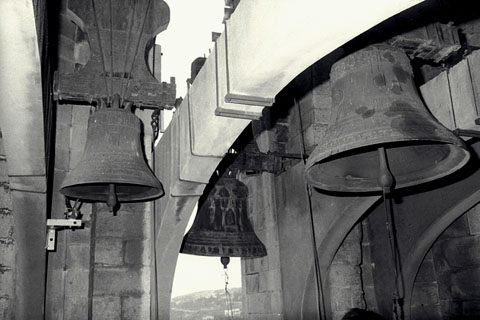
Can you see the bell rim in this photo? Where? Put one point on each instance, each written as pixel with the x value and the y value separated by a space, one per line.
pixel 66 190
pixel 322 156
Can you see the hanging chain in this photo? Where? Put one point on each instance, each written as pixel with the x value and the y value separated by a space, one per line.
pixel 318 275
pixel 228 298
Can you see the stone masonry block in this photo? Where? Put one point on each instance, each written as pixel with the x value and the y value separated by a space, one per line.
pixel 294 144
pixel 5 199
pixel 66 44
pixel 78 140
pixel 319 130
pixel 65 65
pixel 76 294
pixel 271 236
pixel 425 294
pixel 62 159
pixel 6 224
pixel 249 266
pixel 344 299
pixel 457 229
pixel 273 257
pixel 270 280
pixel 135 207
pixel 465 284
pixel 458 252
pixel 259 303
pixel 107 307
pixel 80 115
pixel 109 251
pixel 350 250
pixel 309 137
pixel 134 308
pixel 344 276
pixel 55 297
pixel 121 281
pixel 66 26
pixel 252 283
pixel 137 252
pixel 125 224
pixel 81 235
pixel 7 251
pixel 276 299
pixel 3 164
pixel 473 217
pixel 426 272
pixel 7 281
pixel 78 256
pixel 64 115
pixel 6 307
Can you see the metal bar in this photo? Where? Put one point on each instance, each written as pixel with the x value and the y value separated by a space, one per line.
pixel 64 223
pixel 467 133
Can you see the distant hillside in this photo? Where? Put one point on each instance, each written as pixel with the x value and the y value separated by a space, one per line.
pixel 206 305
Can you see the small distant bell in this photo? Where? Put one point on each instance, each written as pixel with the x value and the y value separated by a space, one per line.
pixel 221 227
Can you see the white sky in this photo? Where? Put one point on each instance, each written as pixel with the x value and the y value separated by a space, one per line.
pixel 189 36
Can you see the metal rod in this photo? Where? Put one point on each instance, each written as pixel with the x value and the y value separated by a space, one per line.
pixel 467 133
pixel 318 275
pixel 127 45
pixel 101 49
pixel 386 182
pixel 91 273
pixel 111 49
pixel 136 48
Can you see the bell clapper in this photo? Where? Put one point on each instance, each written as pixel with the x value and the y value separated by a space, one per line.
pixel 225 261
pixel 112 197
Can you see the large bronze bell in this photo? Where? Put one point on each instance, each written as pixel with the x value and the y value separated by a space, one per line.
pixel 376 104
pixel 113 166
pixel 221 227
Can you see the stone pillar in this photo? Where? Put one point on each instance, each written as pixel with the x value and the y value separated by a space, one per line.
pixel 69 264
pixel 7 242
pixel 457 265
pixel 261 277
pixel 345 275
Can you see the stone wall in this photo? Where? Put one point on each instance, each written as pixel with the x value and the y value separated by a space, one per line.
pixel 7 242
pixel 261 277
pixel 122 263
pixel 447 285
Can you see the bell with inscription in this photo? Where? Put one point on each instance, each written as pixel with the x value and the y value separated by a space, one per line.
pixel 375 104
pixel 113 167
pixel 221 227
